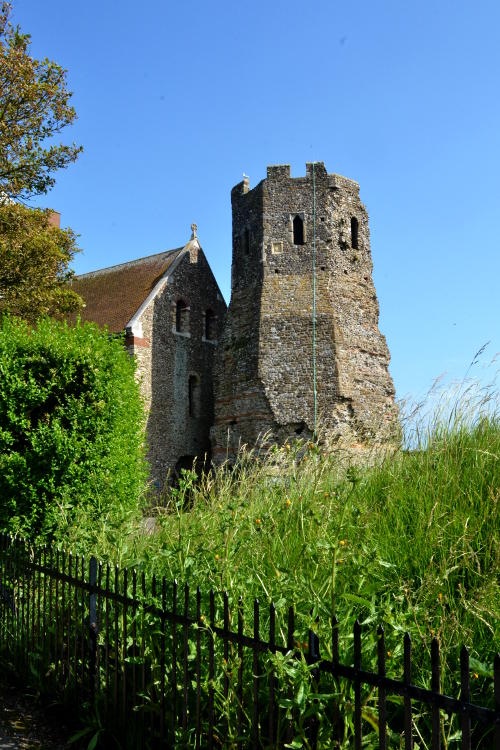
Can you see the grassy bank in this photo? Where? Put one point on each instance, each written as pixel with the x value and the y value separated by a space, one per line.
pixel 412 543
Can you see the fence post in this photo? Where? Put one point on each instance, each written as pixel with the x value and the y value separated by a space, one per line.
pixel 92 625
pixel 313 656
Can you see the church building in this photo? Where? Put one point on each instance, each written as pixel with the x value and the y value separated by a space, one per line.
pixel 171 310
pixel 297 354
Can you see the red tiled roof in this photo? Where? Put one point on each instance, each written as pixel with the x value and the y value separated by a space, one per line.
pixel 112 295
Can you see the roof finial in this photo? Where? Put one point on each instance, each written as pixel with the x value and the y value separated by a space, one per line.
pixel 194 230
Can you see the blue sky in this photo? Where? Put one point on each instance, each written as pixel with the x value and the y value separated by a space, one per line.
pixel 177 100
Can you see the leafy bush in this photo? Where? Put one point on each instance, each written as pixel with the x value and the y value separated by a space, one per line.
pixel 70 428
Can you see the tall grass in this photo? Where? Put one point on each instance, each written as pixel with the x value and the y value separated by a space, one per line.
pixel 411 542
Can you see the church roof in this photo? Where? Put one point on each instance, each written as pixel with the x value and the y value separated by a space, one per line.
pixel 112 295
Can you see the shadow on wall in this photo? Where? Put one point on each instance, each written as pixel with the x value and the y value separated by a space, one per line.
pixel 185 330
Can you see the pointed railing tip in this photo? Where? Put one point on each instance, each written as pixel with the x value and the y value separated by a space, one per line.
pixel 380 630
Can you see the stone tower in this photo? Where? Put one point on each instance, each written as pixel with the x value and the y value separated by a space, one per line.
pixel 301 351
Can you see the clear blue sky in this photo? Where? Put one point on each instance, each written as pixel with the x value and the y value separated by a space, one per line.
pixel 177 100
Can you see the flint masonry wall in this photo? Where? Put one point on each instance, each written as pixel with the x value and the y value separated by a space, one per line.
pixel 264 365
pixel 167 359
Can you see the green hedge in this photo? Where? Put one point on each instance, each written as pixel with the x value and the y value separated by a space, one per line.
pixel 71 419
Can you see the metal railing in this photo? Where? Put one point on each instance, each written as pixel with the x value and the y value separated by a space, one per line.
pixel 165 668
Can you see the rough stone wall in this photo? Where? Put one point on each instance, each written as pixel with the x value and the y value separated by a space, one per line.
pixel 167 359
pixel 264 367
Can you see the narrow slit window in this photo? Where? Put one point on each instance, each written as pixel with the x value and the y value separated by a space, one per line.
pixel 182 317
pixel 298 231
pixel 210 325
pixel 246 241
pixel 194 396
pixel 354 233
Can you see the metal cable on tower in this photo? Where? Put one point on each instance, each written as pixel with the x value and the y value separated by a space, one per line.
pixel 314 305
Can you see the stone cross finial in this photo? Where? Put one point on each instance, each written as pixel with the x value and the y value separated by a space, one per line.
pixel 194 229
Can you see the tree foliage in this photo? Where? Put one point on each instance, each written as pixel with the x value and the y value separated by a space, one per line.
pixel 34 264
pixel 71 438
pixel 34 107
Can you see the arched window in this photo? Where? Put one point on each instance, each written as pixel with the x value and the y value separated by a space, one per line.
pixel 354 233
pixel 194 396
pixel 210 325
pixel 182 317
pixel 298 231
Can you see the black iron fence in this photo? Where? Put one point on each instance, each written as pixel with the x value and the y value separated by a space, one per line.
pixel 162 667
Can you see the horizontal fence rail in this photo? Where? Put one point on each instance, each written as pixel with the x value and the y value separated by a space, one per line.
pixel 165 668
